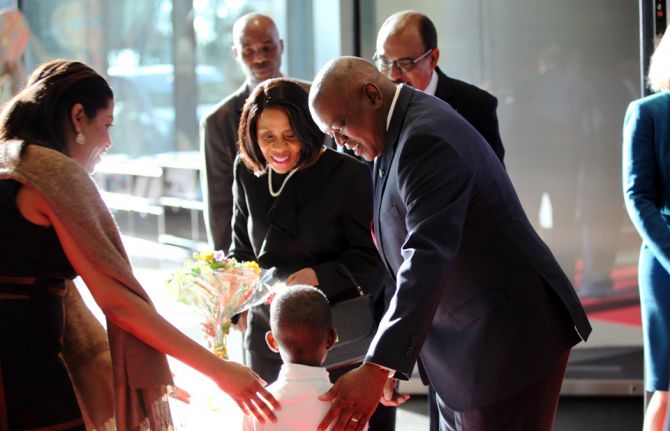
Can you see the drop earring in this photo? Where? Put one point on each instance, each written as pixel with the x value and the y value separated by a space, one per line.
pixel 80 138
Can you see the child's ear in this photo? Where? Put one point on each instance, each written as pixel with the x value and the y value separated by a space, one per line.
pixel 271 342
pixel 332 338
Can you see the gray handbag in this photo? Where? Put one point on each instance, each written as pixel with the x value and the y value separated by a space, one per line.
pixel 355 322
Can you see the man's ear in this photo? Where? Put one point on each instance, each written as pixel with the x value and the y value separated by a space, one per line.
pixel 332 338
pixel 271 342
pixel 281 46
pixel 373 94
pixel 77 114
pixel 434 57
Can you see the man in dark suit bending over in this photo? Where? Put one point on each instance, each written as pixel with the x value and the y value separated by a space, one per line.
pixel 407 53
pixel 480 301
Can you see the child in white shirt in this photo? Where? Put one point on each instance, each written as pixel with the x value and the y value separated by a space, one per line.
pixel 302 332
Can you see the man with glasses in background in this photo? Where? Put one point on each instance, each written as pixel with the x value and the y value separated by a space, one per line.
pixel 258 49
pixel 407 53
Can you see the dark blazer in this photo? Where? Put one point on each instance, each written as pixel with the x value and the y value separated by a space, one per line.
pixel 646 164
pixel 646 188
pixel 320 220
pixel 478 295
pixel 218 144
pixel 475 105
pixel 478 107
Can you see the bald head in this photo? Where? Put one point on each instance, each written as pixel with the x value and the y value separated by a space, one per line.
pixel 257 46
pixel 407 35
pixel 350 99
pixel 342 76
pixel 252 22
pixel 409 21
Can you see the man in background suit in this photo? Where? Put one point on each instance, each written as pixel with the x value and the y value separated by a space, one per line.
pixel 479 298
pixel 407 53
pixel 258 49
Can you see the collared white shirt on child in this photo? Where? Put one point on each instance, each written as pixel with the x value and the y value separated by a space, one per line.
pixel 297 389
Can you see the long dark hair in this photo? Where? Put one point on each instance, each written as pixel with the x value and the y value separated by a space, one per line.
pixel 40 112
pixel 290 97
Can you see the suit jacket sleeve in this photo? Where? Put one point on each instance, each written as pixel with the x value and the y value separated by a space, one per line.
pixel 359 258
pixel 435 188
pixel 217 139
pixel 640 177
pixel 240 247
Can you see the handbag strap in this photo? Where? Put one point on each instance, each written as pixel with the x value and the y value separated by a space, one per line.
pixel 358 287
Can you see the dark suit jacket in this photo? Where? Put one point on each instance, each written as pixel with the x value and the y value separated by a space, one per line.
pixel 218 144
pixel 479 108
pixel 320 220
pixel 478 295
pixel 475 105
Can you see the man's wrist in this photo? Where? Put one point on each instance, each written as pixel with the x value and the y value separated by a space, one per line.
pixel 388 372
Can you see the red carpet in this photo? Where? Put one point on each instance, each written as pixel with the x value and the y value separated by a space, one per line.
pixel 624 315
pixel 620 304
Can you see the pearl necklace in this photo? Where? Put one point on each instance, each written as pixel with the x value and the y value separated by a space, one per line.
pixel 281 188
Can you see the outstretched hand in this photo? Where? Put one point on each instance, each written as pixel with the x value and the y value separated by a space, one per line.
pixel 180 394
pixel 391 397
pixel 354 397
pixel 247 389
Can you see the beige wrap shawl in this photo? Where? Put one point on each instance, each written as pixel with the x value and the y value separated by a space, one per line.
pixel 141 376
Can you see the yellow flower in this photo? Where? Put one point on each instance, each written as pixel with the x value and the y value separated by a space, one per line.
pixel 207 256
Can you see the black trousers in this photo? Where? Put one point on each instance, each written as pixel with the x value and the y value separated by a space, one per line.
pixel 383 419
pixel 531 409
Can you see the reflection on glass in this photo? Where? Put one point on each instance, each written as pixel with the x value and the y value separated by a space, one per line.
pixel 133 42
pixel 145 104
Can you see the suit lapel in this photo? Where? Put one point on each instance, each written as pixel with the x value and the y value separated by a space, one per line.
pixel 443 91
pixel 242 95
pixel 383 163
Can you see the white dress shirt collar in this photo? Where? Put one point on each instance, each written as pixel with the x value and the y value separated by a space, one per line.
pixel 302 372
pixel 395 99
pixel 432 85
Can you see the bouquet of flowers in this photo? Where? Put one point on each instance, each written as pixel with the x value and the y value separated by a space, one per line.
pixel 218 288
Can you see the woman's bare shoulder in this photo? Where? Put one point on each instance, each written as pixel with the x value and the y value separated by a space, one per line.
pixel 33 206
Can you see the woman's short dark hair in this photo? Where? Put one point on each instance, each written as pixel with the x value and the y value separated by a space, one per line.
pixel 39 113
pixel 290 97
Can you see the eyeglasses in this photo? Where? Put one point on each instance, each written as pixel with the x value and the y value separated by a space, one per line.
pixel 404 64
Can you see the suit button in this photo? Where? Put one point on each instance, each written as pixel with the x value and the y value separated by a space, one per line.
pixel 411 347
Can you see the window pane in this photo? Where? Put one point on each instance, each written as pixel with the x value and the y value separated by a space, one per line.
pixel 563 73
pixel 134 45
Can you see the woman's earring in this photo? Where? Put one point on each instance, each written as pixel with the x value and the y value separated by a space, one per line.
pixel 80 138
